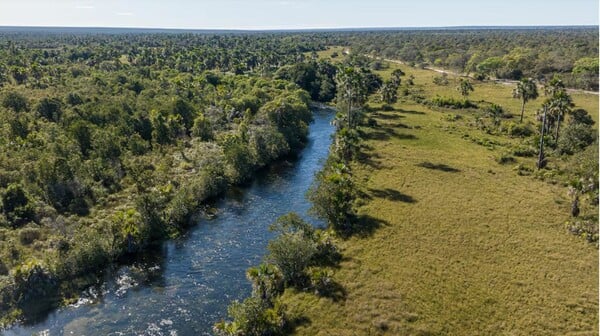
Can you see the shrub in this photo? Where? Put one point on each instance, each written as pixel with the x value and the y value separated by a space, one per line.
pixel 452 103
pixel 252 317
pixel 332 196
pixel 16 205
pixel 505 159
pixel 320 280
pixel 29 235
pixel 519 130
pixel 496 112
pixel 575 137
pixel 387 107
pixel 441 80
pixel 32 281
pixel 587 229
pixel 292 253
pixel 267 281
pixel 524 150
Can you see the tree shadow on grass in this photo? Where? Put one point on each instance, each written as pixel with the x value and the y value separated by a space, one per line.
pixel 400 125
pixel 388 116
pixel 370 160
pixel 385 133
pixel 438 166
pixel 392 195
pixel 333 290
pixel 393 133
pixel 363 226
pixel 294 322
pixel 377 135
pixel 410 111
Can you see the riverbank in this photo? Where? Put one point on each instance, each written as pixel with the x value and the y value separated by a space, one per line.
pixel 186 285
pixel 50 262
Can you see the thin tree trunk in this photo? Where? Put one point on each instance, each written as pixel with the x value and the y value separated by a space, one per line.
pixel 541 159
pixel 557 128
pixel 522 110
pixel 350 113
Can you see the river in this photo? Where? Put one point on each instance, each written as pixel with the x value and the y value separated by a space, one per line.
pixel 184 287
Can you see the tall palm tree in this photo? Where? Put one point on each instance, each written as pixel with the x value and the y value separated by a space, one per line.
pixel 526 90
pixel 559 105
pixel 554 86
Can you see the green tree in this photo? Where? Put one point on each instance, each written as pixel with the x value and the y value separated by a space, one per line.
pixel 292 253
pixel 16 205
pixel 490 66
pixel 465 87
pixel 332 196
pixel 388 93
pixel 81 132
pixel 50 109
pixel 559 105
pixel 525 90
pixel 15 101
pixel 267 281
pixel 396 77
pixel 252 317
pixel 129 222
pixel 586 72
pixel 202 128
pixel 352 93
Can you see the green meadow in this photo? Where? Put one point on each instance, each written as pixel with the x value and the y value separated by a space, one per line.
pixel 460 244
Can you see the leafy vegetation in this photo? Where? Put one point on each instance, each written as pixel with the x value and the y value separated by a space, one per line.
pixel 501 53
pixel 110 143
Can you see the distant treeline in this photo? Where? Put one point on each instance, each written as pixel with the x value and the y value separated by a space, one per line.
pixel 502 53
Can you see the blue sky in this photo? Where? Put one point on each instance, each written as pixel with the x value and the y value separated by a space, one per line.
pixel 291 14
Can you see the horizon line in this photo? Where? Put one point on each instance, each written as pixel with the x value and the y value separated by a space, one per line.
pixel 244 29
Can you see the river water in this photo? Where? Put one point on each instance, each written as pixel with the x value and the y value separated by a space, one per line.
pixel 184 287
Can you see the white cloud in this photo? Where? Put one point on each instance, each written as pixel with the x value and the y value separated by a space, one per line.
pixel 124 14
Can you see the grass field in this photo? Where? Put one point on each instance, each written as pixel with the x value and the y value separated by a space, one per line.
pixel 466 246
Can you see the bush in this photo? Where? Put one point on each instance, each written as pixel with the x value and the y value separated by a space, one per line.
pixel 252 317
pixel 267 281
pixel 321 281
pixel 33 281
pixel 524 150
pixel 519 130
pixel 88 253
pixel 505 159
pixel 387 107
pixel 441 80
pixel 575 137
pixel 16 205
pixel 292 253
pixel 332 196
pixel 29 235
pixel 452 103
pixel 587 229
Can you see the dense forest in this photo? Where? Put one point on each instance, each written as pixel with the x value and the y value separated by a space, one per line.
pixel 110 143
pixel 498 53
